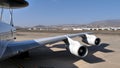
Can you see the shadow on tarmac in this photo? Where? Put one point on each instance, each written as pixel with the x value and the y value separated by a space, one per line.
pixel 44 57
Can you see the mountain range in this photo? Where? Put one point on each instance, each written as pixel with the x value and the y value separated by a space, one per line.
pixel 107 23
pixel 103 23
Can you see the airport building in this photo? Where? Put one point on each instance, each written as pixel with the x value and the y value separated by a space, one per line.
pixel 74 28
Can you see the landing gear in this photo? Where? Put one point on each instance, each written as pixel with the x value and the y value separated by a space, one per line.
pixel 23 55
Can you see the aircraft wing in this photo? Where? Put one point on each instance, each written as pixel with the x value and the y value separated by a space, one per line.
pixel 30 44
pixel 75 48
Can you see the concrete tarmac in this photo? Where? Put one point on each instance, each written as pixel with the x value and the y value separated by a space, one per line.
pixel 56 56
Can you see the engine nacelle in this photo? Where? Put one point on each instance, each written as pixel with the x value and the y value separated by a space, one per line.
pixel 76 48
pixel 91 39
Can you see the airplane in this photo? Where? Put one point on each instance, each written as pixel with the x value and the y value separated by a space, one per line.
pixel 9 47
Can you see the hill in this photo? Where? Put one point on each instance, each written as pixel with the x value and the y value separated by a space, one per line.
pixel 106 23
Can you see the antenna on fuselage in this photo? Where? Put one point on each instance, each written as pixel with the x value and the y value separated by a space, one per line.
pixel 11 17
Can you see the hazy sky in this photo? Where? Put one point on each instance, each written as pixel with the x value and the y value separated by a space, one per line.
pixel 53 12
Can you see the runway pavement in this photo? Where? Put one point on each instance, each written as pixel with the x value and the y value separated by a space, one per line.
pixel 55 55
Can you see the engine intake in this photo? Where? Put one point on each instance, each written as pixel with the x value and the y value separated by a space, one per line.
pixel 83 51
pixel 97 41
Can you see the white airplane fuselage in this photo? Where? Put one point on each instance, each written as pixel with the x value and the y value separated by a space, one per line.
pixel 7 33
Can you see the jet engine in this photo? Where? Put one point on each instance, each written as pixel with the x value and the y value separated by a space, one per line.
pixel 76 48
pixel 91 39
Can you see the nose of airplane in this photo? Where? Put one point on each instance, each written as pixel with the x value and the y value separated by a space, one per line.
pixel 13 3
